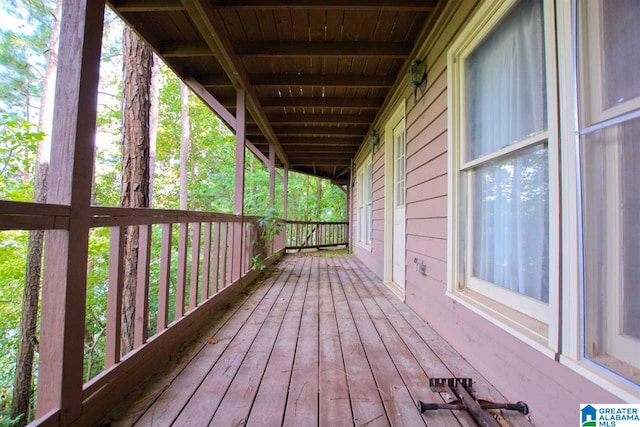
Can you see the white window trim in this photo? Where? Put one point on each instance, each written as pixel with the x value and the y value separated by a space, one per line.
pixel 360 202
pixel 399 114
pixel 571 319
pixel 595 111
pixel 544 336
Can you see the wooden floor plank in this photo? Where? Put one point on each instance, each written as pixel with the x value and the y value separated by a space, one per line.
pixel 397 400
pixel 430 363
pixel 204 402
pixel 412 372
pixel 176 394
pixel 363 392
pixel 320 342
pixel 335 407
pixel 236 404
pixel 458 366
pixel 271 398
pixel 302 401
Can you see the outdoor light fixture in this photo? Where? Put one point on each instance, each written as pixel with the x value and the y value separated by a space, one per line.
pixel 417 76
pixel 374 139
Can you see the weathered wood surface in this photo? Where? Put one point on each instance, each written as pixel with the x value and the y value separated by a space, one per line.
pixel 320 342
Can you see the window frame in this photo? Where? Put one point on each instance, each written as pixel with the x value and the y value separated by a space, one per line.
pixel 572 315
pixel 364 182
pixel 488 300
pixel 594 110
pixel 592 117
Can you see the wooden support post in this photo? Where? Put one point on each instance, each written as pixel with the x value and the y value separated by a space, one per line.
pixel 237 239
pixel 70 177
pixel 285 184
pixel 272 174
pixel 238 207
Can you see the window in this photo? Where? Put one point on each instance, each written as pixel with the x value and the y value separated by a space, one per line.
pixel 609 99
pixel 365 197
pixel 502 133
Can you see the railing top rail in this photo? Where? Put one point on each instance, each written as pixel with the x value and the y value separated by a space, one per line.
pixel 317 222
pixel 36 216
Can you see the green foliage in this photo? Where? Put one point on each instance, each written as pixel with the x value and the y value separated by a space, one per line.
pixel 271 226
pixel 13 248
pixel 18 143
pixel 211 167
pixel 23 43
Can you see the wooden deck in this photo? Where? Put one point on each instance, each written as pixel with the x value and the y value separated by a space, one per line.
pixel 317 341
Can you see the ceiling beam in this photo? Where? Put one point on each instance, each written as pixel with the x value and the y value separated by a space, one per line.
pixel 324 80
pixel 284 49
pixel 208 23
pixel 184 49
pixel 317 141
pixel 321 150
pixel 313 163
pixel 392 5
pixel 288 141
pixel 276 119
pixel 319 102
pixel 320 161
pixel 214 80
pixel 312 130
pixel 148 5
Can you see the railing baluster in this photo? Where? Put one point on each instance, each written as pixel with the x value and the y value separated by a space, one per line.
pixel 165 277
pixel 114 297
pixel 236 261
pixel 195 266
pixel 248 253
pixel 141 326
pixel 183 239
pixel 224 238
pixel 206 262
pixel 216 258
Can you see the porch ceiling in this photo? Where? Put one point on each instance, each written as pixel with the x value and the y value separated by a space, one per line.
pixel 316 73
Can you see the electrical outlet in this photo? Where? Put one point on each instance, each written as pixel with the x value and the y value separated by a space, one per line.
pixel 421 268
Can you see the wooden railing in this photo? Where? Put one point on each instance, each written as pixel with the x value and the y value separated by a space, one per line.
pixel 306 234
pixel 200 261
pixel 190 265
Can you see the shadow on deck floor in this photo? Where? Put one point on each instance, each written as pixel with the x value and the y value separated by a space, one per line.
pixel 317 340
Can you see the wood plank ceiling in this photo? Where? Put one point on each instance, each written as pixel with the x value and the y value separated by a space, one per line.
pixel 316 72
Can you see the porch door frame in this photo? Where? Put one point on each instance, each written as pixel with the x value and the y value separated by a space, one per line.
pixel 389 200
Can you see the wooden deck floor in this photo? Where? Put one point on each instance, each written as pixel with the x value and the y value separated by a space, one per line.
pixel 318 341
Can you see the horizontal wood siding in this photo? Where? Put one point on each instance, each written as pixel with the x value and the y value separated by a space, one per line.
pixel 551 390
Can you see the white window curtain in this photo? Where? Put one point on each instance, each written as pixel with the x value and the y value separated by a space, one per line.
pixel 506 103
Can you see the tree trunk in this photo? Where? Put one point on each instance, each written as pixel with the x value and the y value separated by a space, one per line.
pixel 29 319
pixel 319 199
pixel 153 123
pixel 184 145
pixel 134 191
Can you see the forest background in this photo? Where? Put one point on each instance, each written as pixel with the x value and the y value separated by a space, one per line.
pixel 26 28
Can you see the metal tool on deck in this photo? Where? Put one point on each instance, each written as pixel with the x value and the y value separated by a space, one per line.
pixel 462 399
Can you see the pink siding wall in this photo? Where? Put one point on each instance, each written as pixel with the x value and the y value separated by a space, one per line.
pixel 552 390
